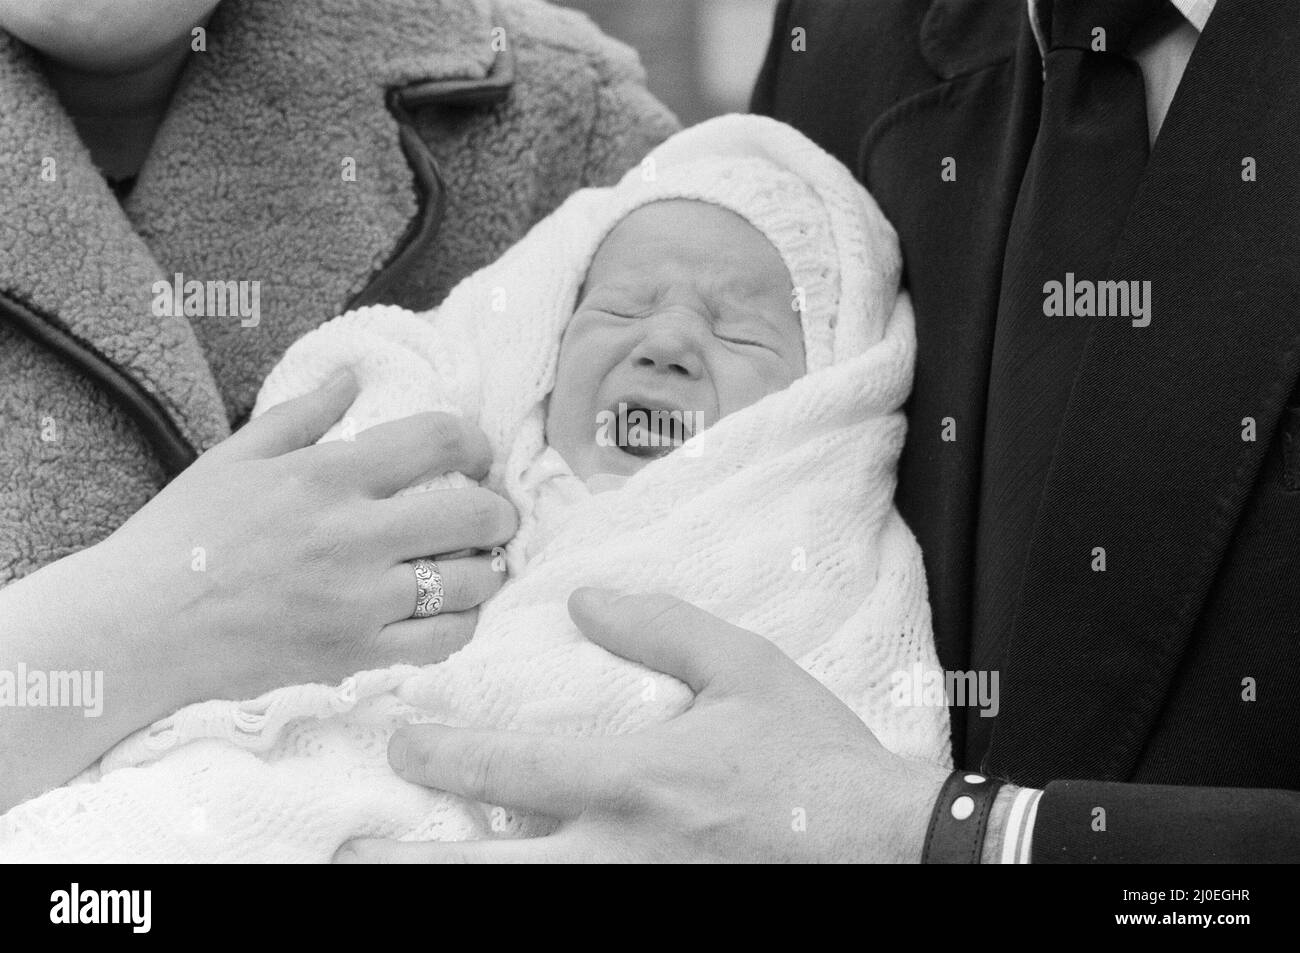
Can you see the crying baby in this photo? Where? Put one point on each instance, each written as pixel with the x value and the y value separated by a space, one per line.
pixel 694 306
pixel 687 315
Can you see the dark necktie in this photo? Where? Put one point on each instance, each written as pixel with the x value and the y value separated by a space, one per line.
pixel 1085 166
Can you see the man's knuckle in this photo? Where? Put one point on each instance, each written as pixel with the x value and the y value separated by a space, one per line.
pixel 660 612
pixel 481 768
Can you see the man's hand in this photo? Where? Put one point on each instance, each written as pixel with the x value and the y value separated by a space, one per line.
pixel 767 765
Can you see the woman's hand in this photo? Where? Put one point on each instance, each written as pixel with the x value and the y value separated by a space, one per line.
pixel 270 561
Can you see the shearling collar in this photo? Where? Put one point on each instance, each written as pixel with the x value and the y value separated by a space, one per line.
pixel 250 179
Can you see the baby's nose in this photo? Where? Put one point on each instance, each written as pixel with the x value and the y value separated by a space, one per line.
pixel 670 344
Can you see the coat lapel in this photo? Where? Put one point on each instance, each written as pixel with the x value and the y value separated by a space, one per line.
pixel 981 115
pixel 1151 465
pixel 77 277
pixel 285 160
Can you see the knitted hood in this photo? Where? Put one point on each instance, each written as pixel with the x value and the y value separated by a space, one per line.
pixel 515 310
pixel 864 247
pixel 841 252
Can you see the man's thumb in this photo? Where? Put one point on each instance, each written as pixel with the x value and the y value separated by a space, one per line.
pixel 666 634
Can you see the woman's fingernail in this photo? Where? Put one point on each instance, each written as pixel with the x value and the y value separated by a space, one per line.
pixel 397 746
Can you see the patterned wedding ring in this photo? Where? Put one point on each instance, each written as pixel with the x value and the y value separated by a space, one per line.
pixel 428 588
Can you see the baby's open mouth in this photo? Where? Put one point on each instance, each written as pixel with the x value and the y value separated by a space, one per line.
pixel 651 432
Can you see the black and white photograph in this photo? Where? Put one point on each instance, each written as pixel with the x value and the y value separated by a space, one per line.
pixel 440 432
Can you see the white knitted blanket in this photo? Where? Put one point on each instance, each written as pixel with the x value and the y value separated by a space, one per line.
pixel 779 518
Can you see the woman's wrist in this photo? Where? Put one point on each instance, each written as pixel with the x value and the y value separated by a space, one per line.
pixel 88 612
pixel 82 673
pixel 145 625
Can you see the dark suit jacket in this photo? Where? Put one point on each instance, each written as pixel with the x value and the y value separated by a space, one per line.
pixel 1179 665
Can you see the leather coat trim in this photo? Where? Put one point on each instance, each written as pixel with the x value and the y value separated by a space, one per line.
pixel 485 93
pixel 174 452
pixel 492 90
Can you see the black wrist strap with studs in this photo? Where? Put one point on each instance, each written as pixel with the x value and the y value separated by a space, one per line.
pixel 960 818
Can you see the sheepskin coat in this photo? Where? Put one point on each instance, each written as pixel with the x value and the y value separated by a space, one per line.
pixel 326 153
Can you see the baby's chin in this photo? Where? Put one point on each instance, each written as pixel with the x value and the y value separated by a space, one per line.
pixel 599 461
pixel 619 461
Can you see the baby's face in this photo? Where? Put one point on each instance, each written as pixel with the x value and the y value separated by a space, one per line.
pixel 686 311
